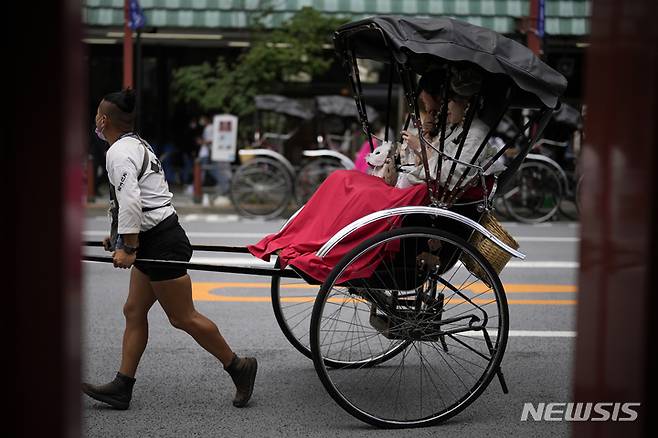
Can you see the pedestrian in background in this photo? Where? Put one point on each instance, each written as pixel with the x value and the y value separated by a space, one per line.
pixel 219 170
pixel 145 226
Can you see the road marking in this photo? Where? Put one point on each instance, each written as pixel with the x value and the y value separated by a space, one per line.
pixel 203 291
pixel 528 334
pixel 547 239
pixel 542 264
pixel 476 288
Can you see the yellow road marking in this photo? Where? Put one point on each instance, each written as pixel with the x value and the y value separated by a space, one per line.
pixel 203 292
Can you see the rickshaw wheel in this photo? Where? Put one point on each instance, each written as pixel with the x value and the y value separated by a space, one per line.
pixel 292 310
pixel 535 193
pixel 311 175
pixel 262 188
pixel 454 327
pixel 292 303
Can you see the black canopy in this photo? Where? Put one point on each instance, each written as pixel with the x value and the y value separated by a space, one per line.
pixel 283 105
pixel 342 106
pixel 424 42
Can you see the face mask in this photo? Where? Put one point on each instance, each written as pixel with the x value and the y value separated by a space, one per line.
pixel 99 133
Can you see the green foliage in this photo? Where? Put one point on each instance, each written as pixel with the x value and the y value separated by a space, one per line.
pixel 298 46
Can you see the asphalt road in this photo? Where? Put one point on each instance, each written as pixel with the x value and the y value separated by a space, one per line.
pixel 182 391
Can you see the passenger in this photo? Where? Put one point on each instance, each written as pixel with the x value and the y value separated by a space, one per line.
pixel 463 85
pixel 347 196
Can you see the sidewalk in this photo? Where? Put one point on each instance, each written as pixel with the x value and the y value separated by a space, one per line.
pixel 183 202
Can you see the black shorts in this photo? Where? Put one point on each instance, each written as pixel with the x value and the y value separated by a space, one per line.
pixel 165 241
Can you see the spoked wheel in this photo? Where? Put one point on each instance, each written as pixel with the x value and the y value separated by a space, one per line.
pixel 535 193
pixel 311 175
pixel 452 327
pixel 261 188
pixel 292 302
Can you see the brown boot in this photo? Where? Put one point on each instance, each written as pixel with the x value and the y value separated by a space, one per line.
pixel 243 372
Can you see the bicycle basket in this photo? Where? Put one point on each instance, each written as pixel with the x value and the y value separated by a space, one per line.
pixel 497 257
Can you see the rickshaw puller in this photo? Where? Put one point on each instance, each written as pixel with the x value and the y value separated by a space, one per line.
pixel 145 226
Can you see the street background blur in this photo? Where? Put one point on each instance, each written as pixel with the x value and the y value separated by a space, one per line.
pixel 192 60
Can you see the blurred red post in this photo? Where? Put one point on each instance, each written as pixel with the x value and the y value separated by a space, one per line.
pixel 619 232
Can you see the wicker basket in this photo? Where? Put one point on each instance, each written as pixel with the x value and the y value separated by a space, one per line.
pixel 492 252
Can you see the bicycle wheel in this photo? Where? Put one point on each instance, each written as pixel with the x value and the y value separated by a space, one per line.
pixel 536 193
pixel 261 188
pixel 292 303
pixel 453 326
pixel 311 175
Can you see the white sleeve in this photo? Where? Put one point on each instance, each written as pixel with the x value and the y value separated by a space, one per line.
pixel 471 145
pixel 122 174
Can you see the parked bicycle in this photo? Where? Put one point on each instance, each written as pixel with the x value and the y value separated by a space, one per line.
pixel 298 146
pixel 547 182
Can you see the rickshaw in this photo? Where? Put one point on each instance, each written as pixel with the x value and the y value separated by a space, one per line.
pixel 299 146
pixel 411 325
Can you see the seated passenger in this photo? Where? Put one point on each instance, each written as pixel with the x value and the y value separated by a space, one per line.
pixel 458 105
pixel 348 195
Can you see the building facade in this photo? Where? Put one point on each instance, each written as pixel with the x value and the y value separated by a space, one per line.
pixel 185 32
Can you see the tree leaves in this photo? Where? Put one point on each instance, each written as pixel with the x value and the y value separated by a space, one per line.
pixel 300 47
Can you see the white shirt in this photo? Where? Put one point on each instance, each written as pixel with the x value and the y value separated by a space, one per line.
pixel 476 134
pixel 204 150
pixel 124 162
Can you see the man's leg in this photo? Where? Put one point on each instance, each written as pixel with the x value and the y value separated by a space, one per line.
pixel 140 300
pixel 175 297
pixel 118 392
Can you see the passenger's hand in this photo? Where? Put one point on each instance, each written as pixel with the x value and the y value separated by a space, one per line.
pixel 106 244
pixel 123 260
pixel 411 140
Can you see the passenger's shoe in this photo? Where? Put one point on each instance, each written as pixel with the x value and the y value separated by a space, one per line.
pixel 117 393
pixel 243 372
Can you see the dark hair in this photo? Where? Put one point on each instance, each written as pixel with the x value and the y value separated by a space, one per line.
pixel 432 82
pixel 124 100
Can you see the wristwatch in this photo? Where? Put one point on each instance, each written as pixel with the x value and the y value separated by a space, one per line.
pixel 126 248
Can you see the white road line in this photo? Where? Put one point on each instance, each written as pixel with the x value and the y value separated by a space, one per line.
pixel 546 239
pixel 530 334
pixel 542 264
pixel 542 333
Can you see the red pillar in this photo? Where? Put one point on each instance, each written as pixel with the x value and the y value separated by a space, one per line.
pixel 42 217
pixel 533 40
pixel 127 47
pixel 615 348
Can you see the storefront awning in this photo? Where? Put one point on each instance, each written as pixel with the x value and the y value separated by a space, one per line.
pixel 563 17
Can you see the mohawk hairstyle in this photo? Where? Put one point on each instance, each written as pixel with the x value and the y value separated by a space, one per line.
pixel 124 100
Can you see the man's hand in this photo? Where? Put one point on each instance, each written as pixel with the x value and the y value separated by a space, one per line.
pixel 123 260
pixel 106 244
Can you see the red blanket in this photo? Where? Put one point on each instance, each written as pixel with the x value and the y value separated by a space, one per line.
pixel 344 197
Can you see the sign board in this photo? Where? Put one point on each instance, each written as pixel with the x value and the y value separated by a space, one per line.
pixel 225 137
